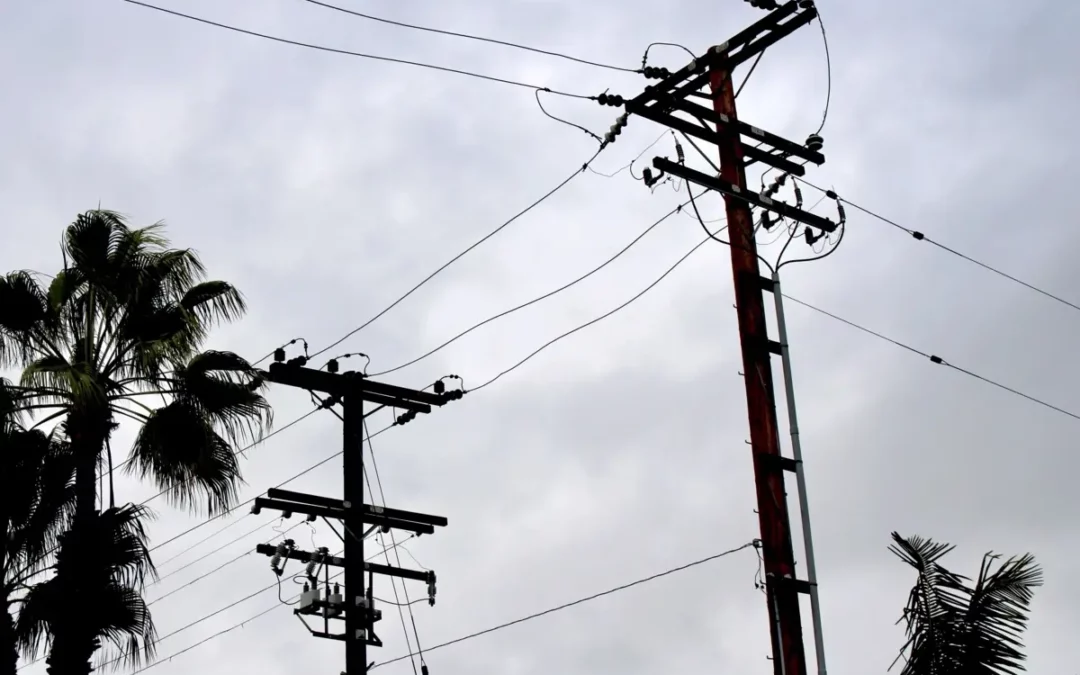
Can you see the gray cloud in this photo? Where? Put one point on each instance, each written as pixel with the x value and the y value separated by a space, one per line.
pixel 325 186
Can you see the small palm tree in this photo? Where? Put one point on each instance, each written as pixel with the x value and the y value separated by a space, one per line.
pixel 36 501
pixel 959 627
pixel 102 563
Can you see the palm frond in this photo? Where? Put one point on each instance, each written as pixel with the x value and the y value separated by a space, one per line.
pixel 179 450
pixel 23 310
pixel 89 242
pixel 214 301
pixel 54 374
pixel 124 621
pixel 226 387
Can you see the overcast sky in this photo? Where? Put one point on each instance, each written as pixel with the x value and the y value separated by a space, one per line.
pixel 324 186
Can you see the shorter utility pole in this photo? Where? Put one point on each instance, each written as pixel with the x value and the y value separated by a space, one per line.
pixel 356 606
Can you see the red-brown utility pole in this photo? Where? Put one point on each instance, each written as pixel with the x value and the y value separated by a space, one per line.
pixel 673 102
pixel 777 552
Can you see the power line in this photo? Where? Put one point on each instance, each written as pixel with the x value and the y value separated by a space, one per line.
pixel 537 299
pixel 467 637
pixel 828 73
pixel 936 359
pixel 601 317
pixel 345 52
pixel 224 513
pixel 457 257
pixel 203 541
pixel 919 236
pixel 579 601
pixel 475 37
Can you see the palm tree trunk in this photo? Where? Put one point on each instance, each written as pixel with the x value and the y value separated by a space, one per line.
pixel 10 662
pixel 70 655
pixel 74 641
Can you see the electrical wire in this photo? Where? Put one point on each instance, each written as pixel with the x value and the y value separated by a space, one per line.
pixel 224 513
pixel 261 526
pixel 919 236
pixel 645 57
pixel 537 299
pixel 579 601
pixel 828 73
pixel 753 67
pixel 599 318
pixel 474 37
pixel 204 540
pixel 558 119
pixel 936 359
pixel 457 257
pixel 215 570
pixel 630 164
pixel 346 52
pixel 595 596
pixel 397 555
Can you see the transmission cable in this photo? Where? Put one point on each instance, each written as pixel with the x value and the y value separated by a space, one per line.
pixel 473 635
pixel 828 73
pixel 474 37
pixel 936 359
pixel 345 52
pixel 393 581
pixel 919 236
pixel 573 603
pixel 535 300
pixel 457 257
pixel 602 316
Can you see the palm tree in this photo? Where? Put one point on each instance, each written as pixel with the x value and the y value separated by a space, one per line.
pixel 117 329
pixel 107 576
pixel 36 500
pixel 959 627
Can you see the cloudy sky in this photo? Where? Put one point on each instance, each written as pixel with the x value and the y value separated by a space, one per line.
pixel 325 186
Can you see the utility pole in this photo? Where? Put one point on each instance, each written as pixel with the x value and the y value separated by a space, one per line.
pixel 721 126
pixel 357 606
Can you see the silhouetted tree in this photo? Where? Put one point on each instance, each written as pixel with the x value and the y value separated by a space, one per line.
pixel 959 626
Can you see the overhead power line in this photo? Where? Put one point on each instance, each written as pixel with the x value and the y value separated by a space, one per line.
pixel 473 635
pixel 919 236
pixel 602 316
pixel 579 601
pixel 936 359
pixel 540 298
pixel 346 52
pixel 474 37
pixel 460 255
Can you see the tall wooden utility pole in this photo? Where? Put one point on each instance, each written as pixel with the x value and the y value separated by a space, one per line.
pixel 720 125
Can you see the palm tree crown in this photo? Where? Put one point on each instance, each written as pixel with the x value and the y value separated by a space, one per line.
pixel 956 626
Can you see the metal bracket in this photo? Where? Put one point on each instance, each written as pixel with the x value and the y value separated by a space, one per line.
pixel 753 198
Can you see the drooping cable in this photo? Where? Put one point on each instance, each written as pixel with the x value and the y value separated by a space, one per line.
pixel 530 617
pixel 579 601
pixel 540 298
pixel 346 52
pixel 478 38
pixel 597 319
pixel 460 255
pixel 397 555
pixel 919 236
pixel 936 359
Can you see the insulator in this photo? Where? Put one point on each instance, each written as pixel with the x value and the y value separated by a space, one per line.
pixel 679 152
pixel 831 194
pixel 275 559
pixel 309 571
pixel 440 386
pixel 814 142
pixel 279 354
pixel 610 99
pixel 609 137
pixel 622 119
pixel 332 366
pixel 781 179
pixel 423 669
pixel 256 510
pixel 646 175
pixel 840 211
